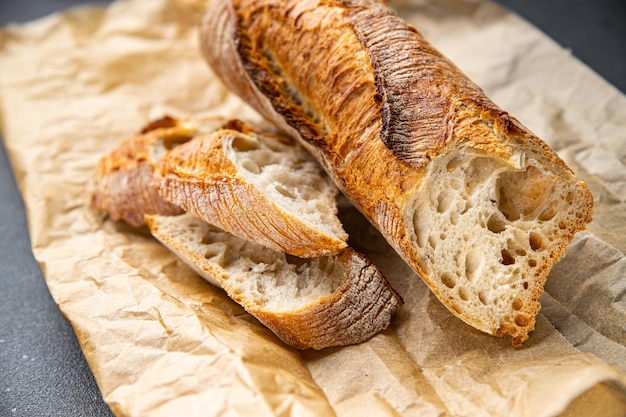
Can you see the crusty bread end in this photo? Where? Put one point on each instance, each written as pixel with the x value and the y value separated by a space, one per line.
pixel 489 229
pixel 122 180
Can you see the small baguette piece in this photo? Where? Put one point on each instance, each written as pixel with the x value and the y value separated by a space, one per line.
pixel 122 181
pixel 316 303
pixel 258 186
pixel 477 204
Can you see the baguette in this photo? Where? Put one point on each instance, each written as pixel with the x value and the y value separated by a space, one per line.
pixel 473 201
pixel 316 303
pixel 258 186
pixel 122 180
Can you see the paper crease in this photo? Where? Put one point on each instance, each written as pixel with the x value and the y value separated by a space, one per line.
pixel 161 341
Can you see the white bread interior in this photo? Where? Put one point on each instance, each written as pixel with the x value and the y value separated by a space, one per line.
pixel 490 231
pixel 288 176
pixel 308 303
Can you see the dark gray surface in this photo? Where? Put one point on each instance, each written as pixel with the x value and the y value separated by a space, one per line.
pixel 594 30
pixel 43 371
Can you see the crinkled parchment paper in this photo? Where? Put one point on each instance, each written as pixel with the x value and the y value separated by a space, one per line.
pixel 162 342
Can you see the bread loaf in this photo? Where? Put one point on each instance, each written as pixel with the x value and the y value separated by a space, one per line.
pixel 122 181
pixel 477 204
pixel 258 186
pixel 316 303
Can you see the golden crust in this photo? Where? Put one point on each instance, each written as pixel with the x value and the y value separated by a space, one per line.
pixel 123 177
pixel 359 308
pixel 201 179
pixel 383 105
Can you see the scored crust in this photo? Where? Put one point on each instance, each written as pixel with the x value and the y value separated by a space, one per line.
pixel 257 186
pixel 477 204
pixel 335 300
pixel 122 178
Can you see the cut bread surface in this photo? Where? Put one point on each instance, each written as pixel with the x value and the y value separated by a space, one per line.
pixel 490 231
pixel 258 187
pixel 288 176
pixel 265 278
pixel 314 303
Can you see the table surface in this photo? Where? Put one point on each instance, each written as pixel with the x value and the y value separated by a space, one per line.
pixel 42 369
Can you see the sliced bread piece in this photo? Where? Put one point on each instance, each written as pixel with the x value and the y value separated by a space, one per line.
pixel 316 303
pixel 121 184
pixel 257 186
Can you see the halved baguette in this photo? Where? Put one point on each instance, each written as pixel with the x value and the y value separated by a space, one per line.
pixel 122 181
pixel 257 186
pixel 317 303
pixel 477 204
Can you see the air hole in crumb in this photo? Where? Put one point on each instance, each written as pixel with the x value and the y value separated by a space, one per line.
pixel 507 258
pixel 520 252
pixel 535 240
pixel 244 144
pixel 448 280
pixel 457 308
pixel 454 218
pixel 464 293
pixel 455 162
pixel 569 198
pixel 206 240
pixel 523 193
pixel 562 225
pixel 548 213
pixel 251 166
pixel 506 207
pixel 517 304
pixel 287 193
pixel 442 236
pixel 482 298
pixel 209 254
pixel 472 262
pixel 521 320
pixel 532 263
pixel 444 201
pixel 525 285
pixel 496 224
pixel 417 227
